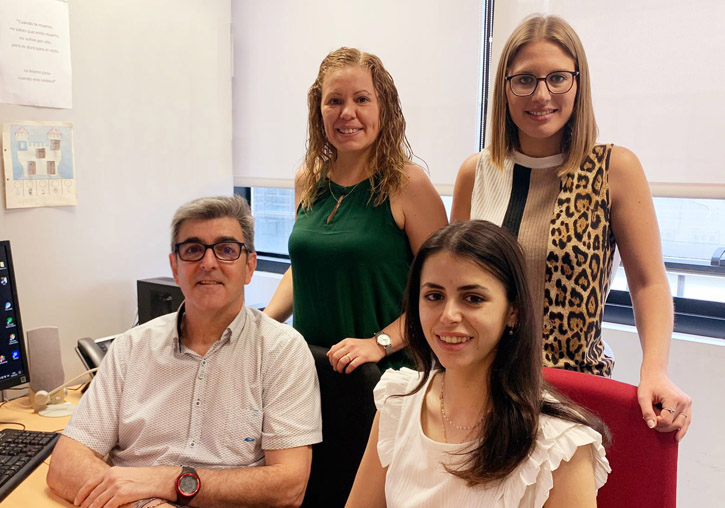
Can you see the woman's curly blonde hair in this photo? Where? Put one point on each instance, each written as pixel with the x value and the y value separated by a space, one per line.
pixel 390 151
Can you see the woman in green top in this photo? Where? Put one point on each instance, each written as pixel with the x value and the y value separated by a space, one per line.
pixel 363 210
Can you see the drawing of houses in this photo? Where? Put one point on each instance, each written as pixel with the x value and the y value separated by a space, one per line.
pixel 39 159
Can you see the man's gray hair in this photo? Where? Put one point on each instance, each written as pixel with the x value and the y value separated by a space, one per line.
pixel 216 207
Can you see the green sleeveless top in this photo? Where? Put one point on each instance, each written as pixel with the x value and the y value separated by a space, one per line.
pixel 348 274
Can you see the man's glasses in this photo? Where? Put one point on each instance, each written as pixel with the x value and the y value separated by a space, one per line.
pixel 557 82
pixel 224 251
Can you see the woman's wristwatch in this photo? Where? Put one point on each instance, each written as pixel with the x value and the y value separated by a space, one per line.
pixel 384 341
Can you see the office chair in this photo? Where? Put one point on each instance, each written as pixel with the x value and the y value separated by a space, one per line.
pixel 643 461
pixel 348 410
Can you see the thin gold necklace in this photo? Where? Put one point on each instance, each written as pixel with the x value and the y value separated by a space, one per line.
pixel 444 416
pixel 338 201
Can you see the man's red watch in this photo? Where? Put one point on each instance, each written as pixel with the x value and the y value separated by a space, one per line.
pixel 187 485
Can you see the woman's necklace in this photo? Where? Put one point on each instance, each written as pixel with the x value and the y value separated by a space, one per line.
pixel 444 416
pixel 338 201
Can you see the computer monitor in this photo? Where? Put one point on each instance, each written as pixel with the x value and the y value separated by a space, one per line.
pixel 157 297
pixel 13 357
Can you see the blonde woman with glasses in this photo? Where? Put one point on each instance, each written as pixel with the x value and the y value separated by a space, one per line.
pixel 571 203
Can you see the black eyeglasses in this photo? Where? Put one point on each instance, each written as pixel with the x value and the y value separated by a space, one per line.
pixel 557 82
pixel 224 251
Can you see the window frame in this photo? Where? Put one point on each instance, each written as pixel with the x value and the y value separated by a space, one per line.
pixel 695 317
pixel 272 262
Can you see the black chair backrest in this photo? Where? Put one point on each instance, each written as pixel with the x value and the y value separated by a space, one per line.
pixel 348 410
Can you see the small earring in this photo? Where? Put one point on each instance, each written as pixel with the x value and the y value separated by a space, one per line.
pixel 511 330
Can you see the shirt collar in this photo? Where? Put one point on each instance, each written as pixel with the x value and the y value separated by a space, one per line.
pixel 234 330
pixel 179 321
pixel 538 162
pixel 229 335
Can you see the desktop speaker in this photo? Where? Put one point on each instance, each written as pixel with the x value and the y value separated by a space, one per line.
pixel 46 367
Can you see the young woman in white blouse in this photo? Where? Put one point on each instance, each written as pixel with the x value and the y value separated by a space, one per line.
pixel 477 426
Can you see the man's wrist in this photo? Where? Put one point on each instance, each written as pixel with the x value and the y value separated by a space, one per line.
pixel 188 485
pixel 169 479
pixel 164 484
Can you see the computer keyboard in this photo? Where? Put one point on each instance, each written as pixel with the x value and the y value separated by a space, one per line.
pixel 21 451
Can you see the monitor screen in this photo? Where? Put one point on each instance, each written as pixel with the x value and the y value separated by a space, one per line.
pixel 157 297
pixel 13 359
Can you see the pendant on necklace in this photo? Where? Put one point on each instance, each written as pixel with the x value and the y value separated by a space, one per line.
pixel 334 210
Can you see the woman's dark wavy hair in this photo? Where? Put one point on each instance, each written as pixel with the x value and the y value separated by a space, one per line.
pixel 516 387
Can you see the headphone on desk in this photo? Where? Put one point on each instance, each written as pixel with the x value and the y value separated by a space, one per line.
pixel 39 400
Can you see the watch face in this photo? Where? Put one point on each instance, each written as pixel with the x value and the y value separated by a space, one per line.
pixel 384 340
pixel 188 484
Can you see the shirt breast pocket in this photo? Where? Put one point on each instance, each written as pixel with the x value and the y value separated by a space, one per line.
pixel 243 432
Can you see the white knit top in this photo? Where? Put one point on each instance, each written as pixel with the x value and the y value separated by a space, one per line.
pixel 416 476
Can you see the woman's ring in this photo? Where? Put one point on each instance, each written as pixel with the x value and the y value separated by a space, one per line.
pixel 669 409
pixel 682 414
pixel 349 359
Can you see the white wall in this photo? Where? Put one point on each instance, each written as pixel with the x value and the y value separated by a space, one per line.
pixel 152 129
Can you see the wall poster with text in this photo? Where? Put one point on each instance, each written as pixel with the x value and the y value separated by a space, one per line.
pixel 35 57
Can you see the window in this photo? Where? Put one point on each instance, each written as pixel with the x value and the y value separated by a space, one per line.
pixel 692 233
pixel 692 229
pixel 274 215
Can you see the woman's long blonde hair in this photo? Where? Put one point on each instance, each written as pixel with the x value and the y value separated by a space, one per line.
pixel 580 132
pixel 390 151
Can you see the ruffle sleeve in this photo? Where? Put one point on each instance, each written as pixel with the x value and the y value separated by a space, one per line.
pixel 392 382
pixel 557 441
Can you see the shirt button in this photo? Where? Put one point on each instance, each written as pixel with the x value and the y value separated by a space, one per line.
pixel 197 402
pixel 203 362
pixel 193 444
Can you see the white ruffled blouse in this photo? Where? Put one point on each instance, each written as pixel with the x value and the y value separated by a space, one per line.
pixel 416 477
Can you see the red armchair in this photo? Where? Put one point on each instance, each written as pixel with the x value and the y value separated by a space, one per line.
pixel 643 461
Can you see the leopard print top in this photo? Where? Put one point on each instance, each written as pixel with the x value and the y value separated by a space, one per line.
pixel 563 224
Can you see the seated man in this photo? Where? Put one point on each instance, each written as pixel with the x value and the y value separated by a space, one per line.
pixel 185 404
